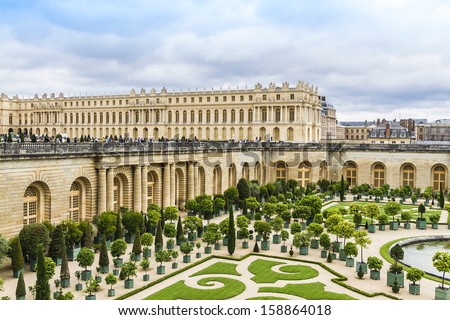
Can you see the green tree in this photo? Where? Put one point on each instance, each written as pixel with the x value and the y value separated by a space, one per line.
pixel 342 189
pixel 302 212
pixel 218 204
pixel 64 272
pixel 179 229
pixel 31 236
pixel 103 259
pixel 85 258
pixel 92 286
pixel 362 240
pixel 159 237
pixel 118 234
pixel 232 229
pixel 441 261
pixel 315 229
pixel 392 208
pixel 374 263
pixel 57 242
pixel 301 239
pixel 421 210
pixel 269 209
pixel 372 211
pixel 192 223
pixel 118 248
pixel 231 195
pixel 276 224
pixel 137 244
pixel 350 249
pixel 163 256
pixel 324 241
pixel 243 190
pixel 17 260
pixel 20 288
pixel 106 223
pixel 263 229
pixel 111 280
pixel 252 204
pixel 129 269
pixel 171 213
pixel 42 285
pixel 441 199
pixel 314 202
pixel 414 274
pixel 132 221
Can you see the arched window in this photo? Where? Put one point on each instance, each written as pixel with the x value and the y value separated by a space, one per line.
pixel 216 116
pixel 263 115
pixel 30 206
pixel 304 174
pixel 246 171
pixel 107 117
pixel 117 192
pixel 378 175
pixel 224 116
pixel 208 116
pixel 169 117
pixel 291 114
pixel 351 173
pixel 439 178
pixel 75 202
pixel 192 116
pixel 250 116
pixel 280 171
pixel 217 180
pixel 120 117
pixel 184 116
pixel 233 116
pixel 113 117
pixel 290 134
pixel 241 115
pixel 157 116
pixel 150 188
pixel 277 114
pixel 10 118
pixel 408 176
pixel 200 116
pixel 177 117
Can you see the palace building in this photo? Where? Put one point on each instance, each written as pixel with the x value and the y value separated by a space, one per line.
pixel 56 181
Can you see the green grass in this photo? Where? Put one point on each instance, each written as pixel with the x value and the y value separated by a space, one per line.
pixel 180 290
pixel 219 268
pixel 263 273
pixel 309 291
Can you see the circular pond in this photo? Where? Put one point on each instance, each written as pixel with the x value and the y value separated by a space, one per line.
pixel 419 252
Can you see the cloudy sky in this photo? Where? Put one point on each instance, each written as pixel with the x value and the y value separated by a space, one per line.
pixel 372 58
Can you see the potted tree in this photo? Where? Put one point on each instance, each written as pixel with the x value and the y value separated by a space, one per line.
pixel 103 261
pixel 128 271
pixel 441 261
pixel 57 244
pixel 170 233
pixel 421 222
pixel 145 264
pixel 375 264
pixel 284 234
pixel 383 220
pixel 30 237
pixel 186 247
pixel 223 228
pixel 395 272
pixel 244 234
pixel 363 241
pixel 111 280
pixel 198 255
pixel 351 251
pixel 132 221
pixel 372 211
pixel 263 229
pixel 277 226
pixel 325 243
pixel 286 216
pixel 85 259
pixel 78 286
pixel 406 217
pixel 434 219
pixel 414 275
pixel 20 288
pixel 106 224
pixel 17 260
pixel 161 257
pixel 301 241
pixel 392 208
pixel 211 236
pixel 137 246
pixel 91 287
pixel 118 249
pixel 147 242
pixel 191 224
pixel 64 275
pixel 174 256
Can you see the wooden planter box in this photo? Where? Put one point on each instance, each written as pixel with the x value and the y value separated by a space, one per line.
pixel 111 292
pixel 198 255
pixel 434 226
pixel 393 225
pixel 16 273
pixel 72 253
pixel 336 246
pixel 400 279
pixel 186 258
pixel 225 241
pixel 276 239
pixel 129 237
pixel 265 245
pixel 441 293
pixel 174 265
pixel 421 224
pixel 147 252
pixel 245 244
pixel 363 266
pixel 342 255
pixel 98 279
pixel 314 244
pixel 192 236
pixel 20 297
pixel 86 275
pixel 382 227
pixel 283 248
pixel 207 250
pixel 129 283
pixel 65 282
pixel 407 225
pixel 372 228
pixel 146 277
pixel 104 269
pixel 349 262
pixel 323 253
pixel 116 272
pixel 118 262
pixel 414 289
pixel 375 274
pixel 136 256
pixel 57 260
pixel 169 245
pixel 303 250
pixel 217 246
pixel 90 297
pixel 78 287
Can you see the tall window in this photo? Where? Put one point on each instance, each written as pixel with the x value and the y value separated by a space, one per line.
pixel 169 117
pixel 241 115
pixel 224 116
pixel 351 174
pixel 264 115
pixel 74 202
pixel 177 117
pixel 378 175
pixel 291 114
pixel 216 116
pixel 439 178
pixel 157 116
pixel 117 192
pixel 184 116
pixel 200 116
pixel 192 116
pixel 233 116
pixel 278 114
pixel 208 116
pixel 280 171
pixel 250 116
pixel 408 176
pixel 150 188
pixel 30 206
pixel 304 174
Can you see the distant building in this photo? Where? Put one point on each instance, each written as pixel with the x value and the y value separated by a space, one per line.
pixel 438 131
pixel 390 132
pixel 328 115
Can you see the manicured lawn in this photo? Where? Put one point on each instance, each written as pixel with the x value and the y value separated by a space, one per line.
pixel 267 298
pixel 219 268
pixel 263 273
pixel 309 291
pixel 179 290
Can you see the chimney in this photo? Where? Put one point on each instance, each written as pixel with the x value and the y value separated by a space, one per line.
pixel 388 130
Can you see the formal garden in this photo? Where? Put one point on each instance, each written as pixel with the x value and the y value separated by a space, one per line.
pixel 272 241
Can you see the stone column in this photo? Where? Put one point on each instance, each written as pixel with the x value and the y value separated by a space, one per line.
pixel 196 180
pixel 144 182
pixel 137 188
pixel 110 189
pixel 191 181
pixel 166 185
pixel 172 184
pixel 101 207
